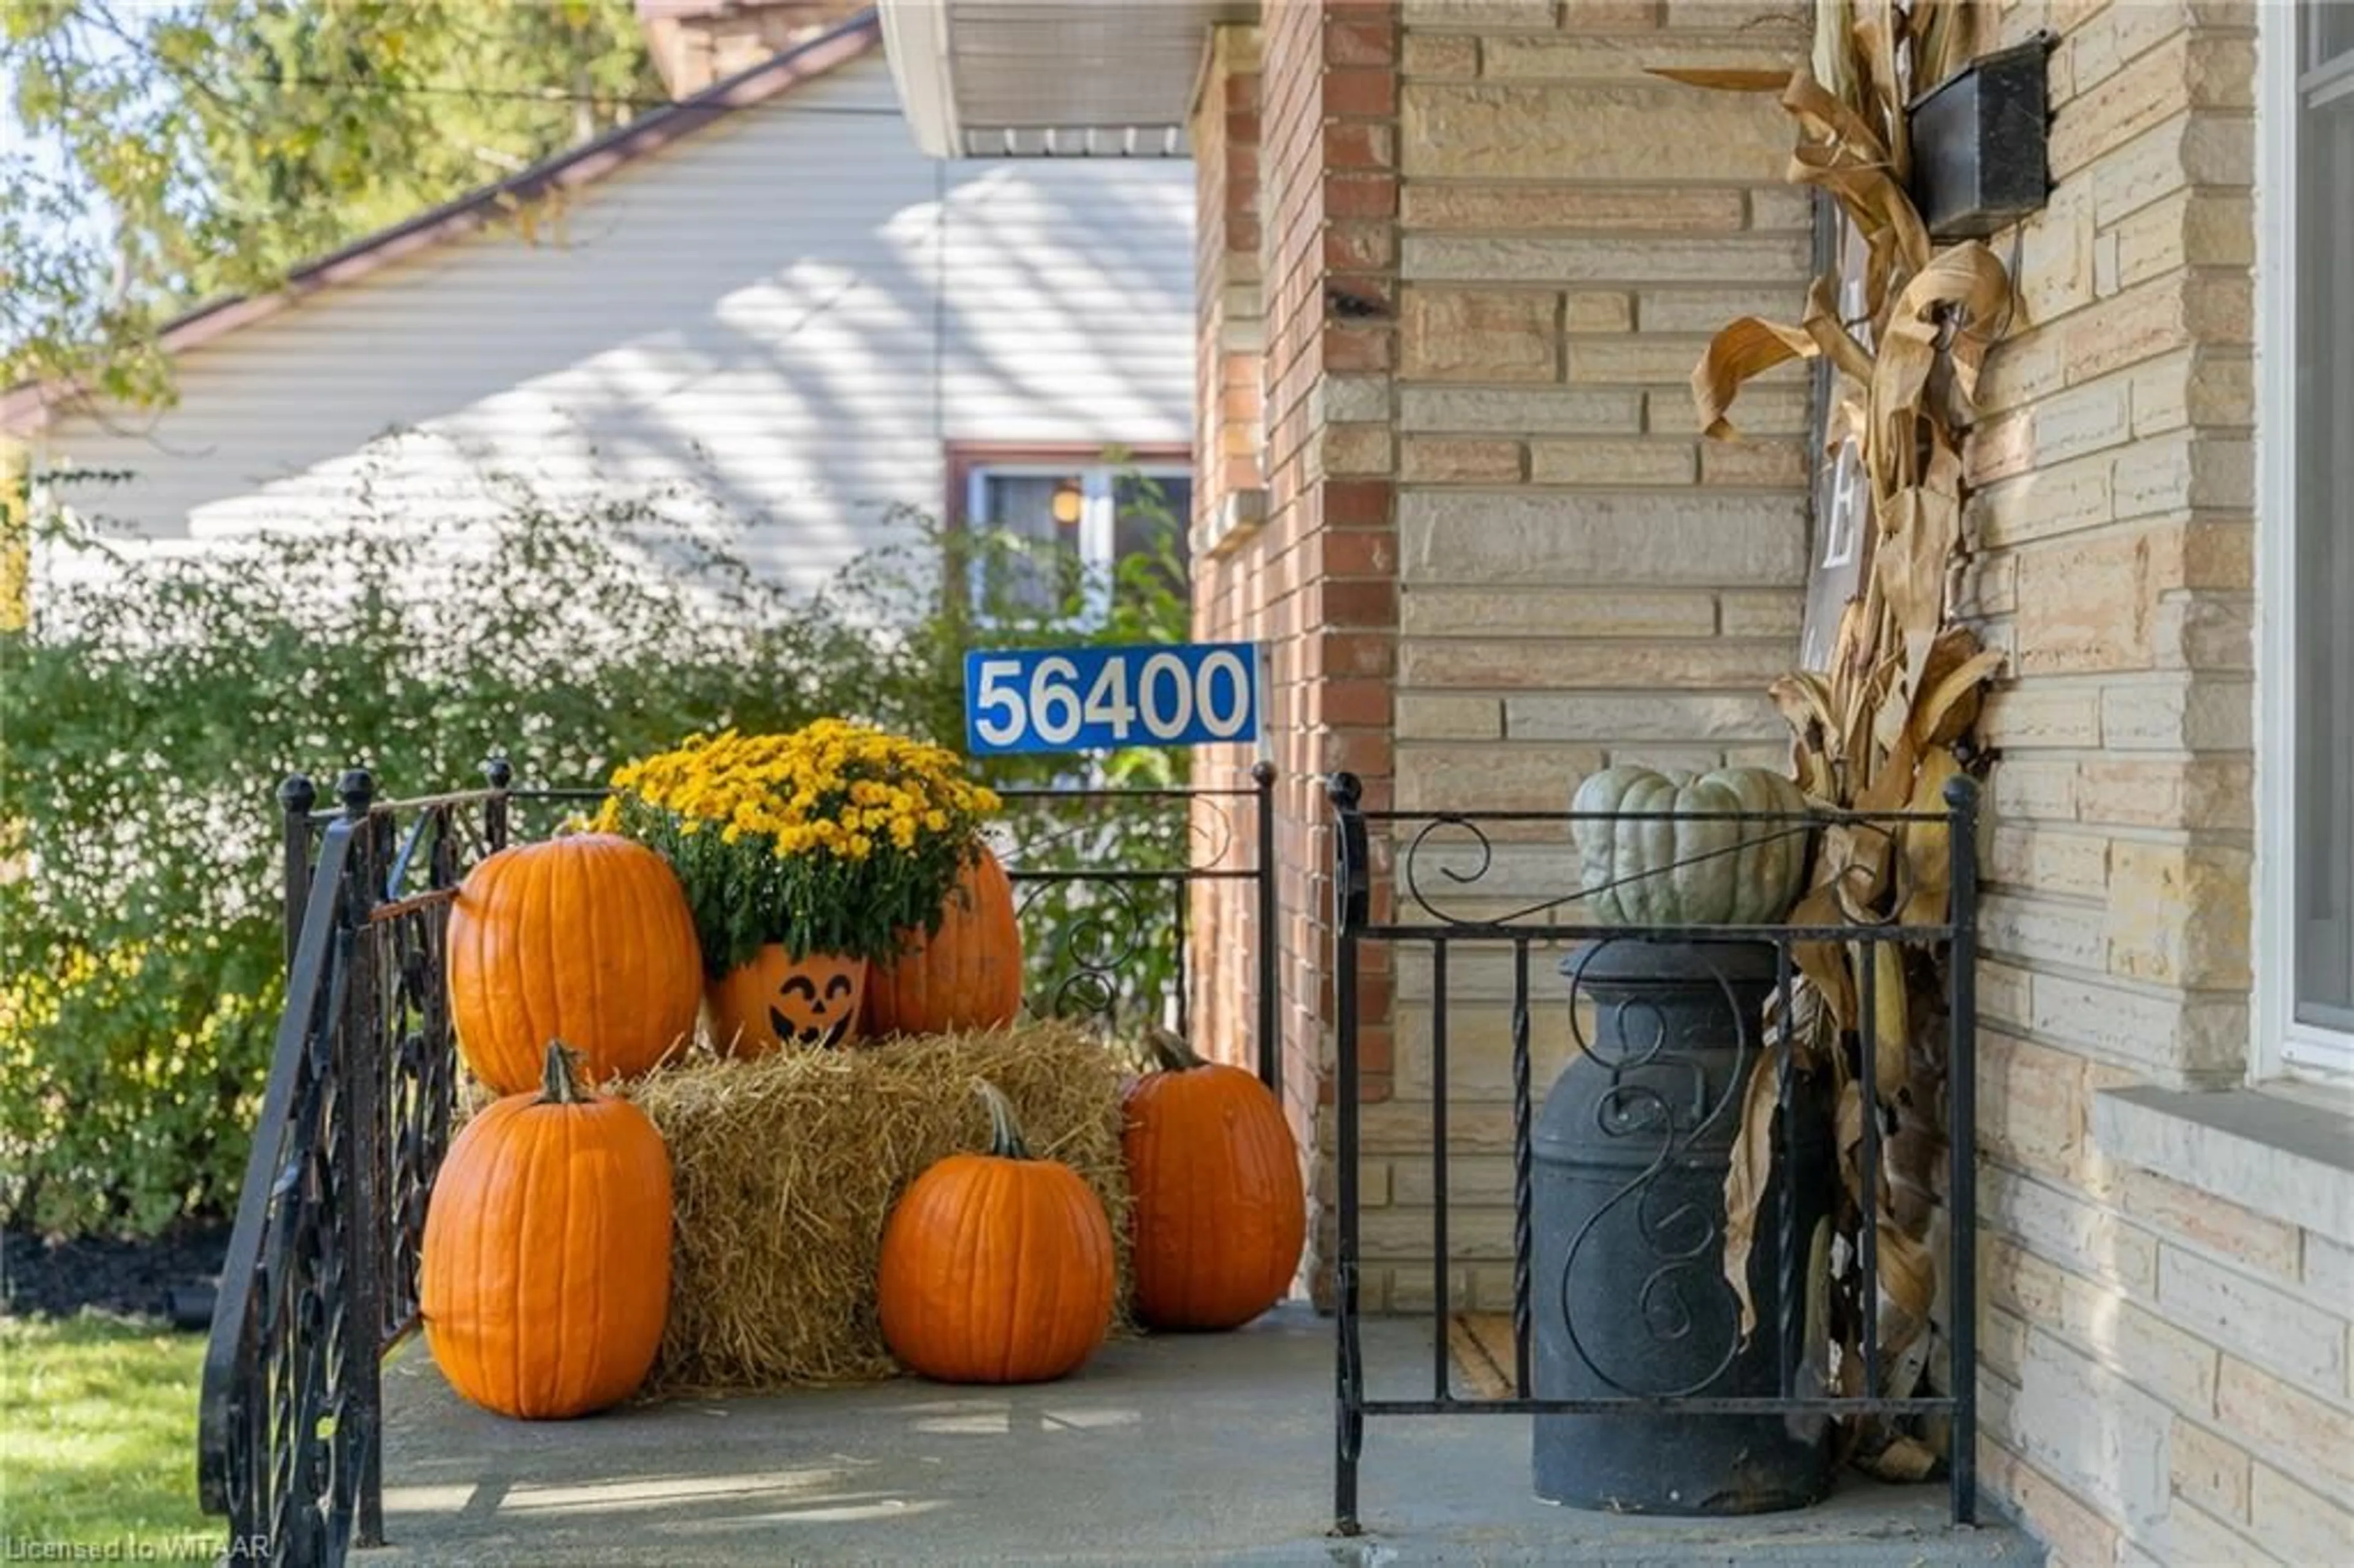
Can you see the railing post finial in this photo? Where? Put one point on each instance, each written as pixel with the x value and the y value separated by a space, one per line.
pixel 356 791
pixel 1351 853
pixel 499 772
pixel 297 794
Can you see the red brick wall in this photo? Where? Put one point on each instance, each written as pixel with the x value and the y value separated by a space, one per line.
pixel 1316 584
pixel 1230 335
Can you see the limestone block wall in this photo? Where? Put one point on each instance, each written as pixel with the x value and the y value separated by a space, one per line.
pixel 2166 1373
pixel 1581 580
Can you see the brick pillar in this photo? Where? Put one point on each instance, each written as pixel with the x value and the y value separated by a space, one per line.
pixel 1228 498
pixel 1298 297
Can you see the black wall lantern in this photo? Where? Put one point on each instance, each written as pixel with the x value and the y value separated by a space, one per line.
pixel 1979 143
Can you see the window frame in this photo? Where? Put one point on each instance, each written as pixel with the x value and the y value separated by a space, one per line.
pixel 971 466
pixel 2284 1048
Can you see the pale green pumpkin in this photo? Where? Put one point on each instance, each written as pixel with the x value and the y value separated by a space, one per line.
pixel 1691 872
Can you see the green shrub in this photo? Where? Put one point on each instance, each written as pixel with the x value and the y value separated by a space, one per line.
pixel 148 716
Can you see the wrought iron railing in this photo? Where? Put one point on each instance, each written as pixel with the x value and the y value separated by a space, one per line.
pixel 320 1279
pixel 1454 885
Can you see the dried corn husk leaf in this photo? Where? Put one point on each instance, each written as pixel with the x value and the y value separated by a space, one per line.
pixel 1948 705
pixel 1911 566
pixel 1903 1459
pixel 1889 1039
pixel 1745 1180
pixel 1967 279
pixel 1928 846
pixel 1946 37
pixel 1807 703
pixel 1746 347
pixel 1848 1129
pixel 1749 346
pixel 1823 963
pixel 1879 729
pixel 1724 79
pixel 1832 61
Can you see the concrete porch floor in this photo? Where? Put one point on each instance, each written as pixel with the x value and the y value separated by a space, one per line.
pixel 1209 1449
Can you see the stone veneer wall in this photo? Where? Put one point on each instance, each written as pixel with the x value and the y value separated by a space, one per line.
pixel 1582 581
pixel 1495 553
pixel 1492 426
pixel 2166 1375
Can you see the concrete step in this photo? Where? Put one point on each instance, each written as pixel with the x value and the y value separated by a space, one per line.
pixel 1179 1449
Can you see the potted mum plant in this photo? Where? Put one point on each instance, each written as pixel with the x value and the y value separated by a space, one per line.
pixel 805 857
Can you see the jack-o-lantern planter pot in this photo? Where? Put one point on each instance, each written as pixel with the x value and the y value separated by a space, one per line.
pixel 776 1001
pixel 805 857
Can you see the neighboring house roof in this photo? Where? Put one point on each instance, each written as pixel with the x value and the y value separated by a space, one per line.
pixel 591 160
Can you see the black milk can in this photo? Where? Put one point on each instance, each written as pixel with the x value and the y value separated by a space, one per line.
pixel 1627 1288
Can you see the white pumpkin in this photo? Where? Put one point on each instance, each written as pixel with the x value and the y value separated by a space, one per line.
pixel 1691 872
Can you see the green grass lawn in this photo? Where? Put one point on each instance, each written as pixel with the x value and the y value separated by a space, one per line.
pixel 98 1432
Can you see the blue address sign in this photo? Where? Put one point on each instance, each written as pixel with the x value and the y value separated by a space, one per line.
pixel 1086 699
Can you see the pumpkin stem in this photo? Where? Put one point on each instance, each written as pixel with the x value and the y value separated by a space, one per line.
pixel 1169 1052
pixel 1005 1132
pixel 561 1084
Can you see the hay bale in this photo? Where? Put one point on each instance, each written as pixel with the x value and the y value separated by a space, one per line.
pixel 786 1167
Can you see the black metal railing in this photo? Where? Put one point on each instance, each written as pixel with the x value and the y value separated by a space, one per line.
pixel 320 1279
pixel 1466 884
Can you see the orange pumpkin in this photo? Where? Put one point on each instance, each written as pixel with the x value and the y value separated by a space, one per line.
pixel 586 939
pixel 773 1000
pixel 966 975
pixel 546 1274
pixel 997 1268
pixel 1213 1172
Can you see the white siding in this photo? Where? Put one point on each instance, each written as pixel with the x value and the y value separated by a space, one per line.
pixel 795 289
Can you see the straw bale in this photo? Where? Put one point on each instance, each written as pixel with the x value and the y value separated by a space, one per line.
pixel 786 1167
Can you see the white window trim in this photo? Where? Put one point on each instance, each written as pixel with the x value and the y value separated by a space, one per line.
pixel 1098 518
pixel 2283 1046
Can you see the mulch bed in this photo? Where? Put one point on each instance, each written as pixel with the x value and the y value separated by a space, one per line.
pixel 135 1278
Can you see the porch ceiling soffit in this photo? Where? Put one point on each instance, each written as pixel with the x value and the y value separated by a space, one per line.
pixel 1028 79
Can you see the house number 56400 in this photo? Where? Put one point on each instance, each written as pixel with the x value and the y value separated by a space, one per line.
pixel 1085 699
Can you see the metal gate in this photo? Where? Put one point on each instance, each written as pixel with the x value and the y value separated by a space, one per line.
pixel 1460 886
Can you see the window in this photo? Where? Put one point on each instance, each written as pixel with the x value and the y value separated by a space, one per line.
pixel 2305 941
pixel 1065 527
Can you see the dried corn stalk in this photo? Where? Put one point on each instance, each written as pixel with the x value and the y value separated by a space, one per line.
pixel 1890 723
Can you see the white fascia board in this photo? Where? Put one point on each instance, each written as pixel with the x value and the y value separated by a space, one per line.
pixel 916 40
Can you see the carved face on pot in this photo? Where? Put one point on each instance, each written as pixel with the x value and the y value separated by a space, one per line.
pixel 813 1010
pixel 772 1001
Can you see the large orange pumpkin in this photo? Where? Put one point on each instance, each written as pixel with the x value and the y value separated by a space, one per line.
pixel 966 975
pixel 585 938
pixel 997 1268
pixel 546 1274
pixel 1219 1209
